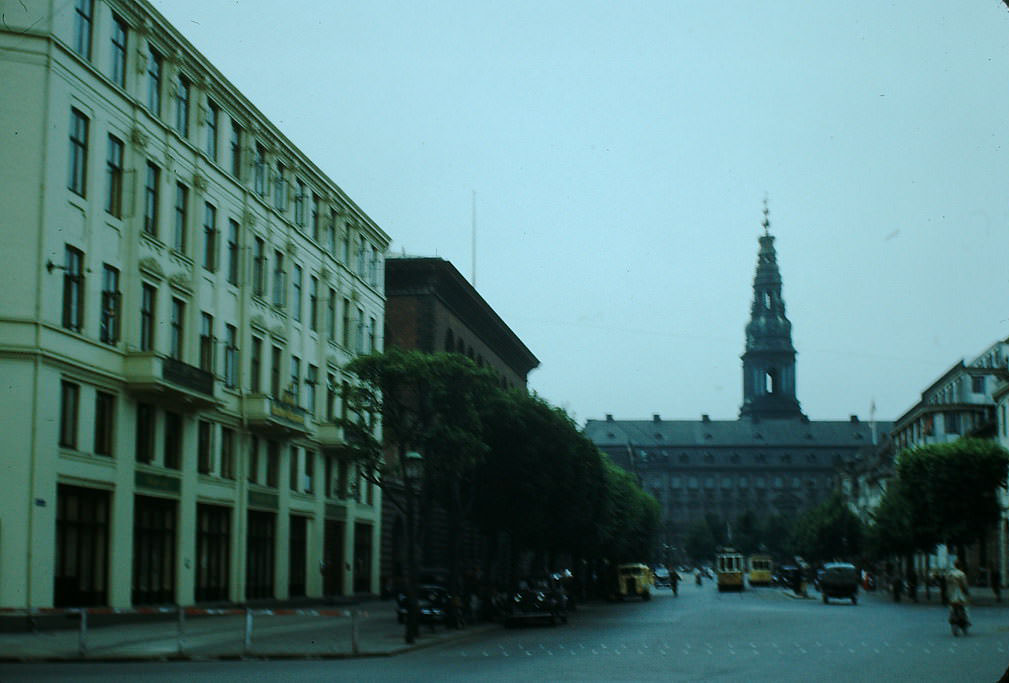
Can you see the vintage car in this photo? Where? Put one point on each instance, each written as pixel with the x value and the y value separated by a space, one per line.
pixel 634 580
pixel 432 602
pixel 541 599
pixel 839 580
pixel 662 577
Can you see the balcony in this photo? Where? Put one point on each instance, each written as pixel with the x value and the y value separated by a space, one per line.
pixel 273 416
pixel 170 382
pixel 329 434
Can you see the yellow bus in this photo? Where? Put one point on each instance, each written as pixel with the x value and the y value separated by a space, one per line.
pixel 761 569
pixel 729 567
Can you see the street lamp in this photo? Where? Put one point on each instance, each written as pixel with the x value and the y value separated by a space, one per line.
pixel 413 472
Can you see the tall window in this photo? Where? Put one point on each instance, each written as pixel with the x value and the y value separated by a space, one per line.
pixel 70 395
pixel 82 28
pixel 233 251
pixel 330 413
pixel 295 386
pixel 173 440
pixel 148 294
pixel 204 448
pixel 331 230
pixel 118 61
pixel 331 315
pixel 78 181
pixel 227 453
pixel 345 332
pixel 279 188
pixel 258 267
pixel 345 247
pixel 145 432
pixel 275 372
pixel 313 302
pixel 207 342
pixel 105 416
pixel 73 289
pixel 278 278
pixel 311 381
pixel 296 275
pixel 114 177
pixel 176 340
pixel 259 184
pixel 256 366
pixel 253 473
pixel 359 332
pixel 360 256
pixel 154 71
pixel 111 306
pixel 272 463
pixel 299 203
pixel 209 236
pixel 315 217
pixel 182 89
pixel 230 356
pixel 181 217
pixel 373 268
pixel 371 334
pixel 309 471
pixel 213 114
pixel 292 475
pixel 151 200
pixel 236 149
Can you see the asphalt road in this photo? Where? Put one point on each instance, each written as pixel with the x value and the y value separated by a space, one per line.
pixel 759 635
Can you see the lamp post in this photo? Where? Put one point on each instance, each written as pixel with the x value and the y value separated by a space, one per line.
pixel 413 471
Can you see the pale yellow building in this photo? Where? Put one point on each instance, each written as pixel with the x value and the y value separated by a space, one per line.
pixel 180 289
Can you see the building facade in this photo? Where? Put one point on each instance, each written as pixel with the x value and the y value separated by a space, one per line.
pixel 772 460
pixel 181 289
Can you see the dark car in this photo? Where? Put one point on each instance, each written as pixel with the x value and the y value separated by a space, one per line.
pixel 535 600
pixel 786 575
pixel 662 577
pixel 432 602
pixel 839 580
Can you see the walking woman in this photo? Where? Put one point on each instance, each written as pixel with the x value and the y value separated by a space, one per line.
pixel 958 597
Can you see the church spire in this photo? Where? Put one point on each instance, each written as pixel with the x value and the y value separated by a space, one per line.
pixel 769 359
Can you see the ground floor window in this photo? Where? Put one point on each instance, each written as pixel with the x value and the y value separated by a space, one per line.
pixel 298 556
pixel 154 524
pixel 259 559
pixel 362 558
pixel 82 547
pixel 213 550
pixel 332 567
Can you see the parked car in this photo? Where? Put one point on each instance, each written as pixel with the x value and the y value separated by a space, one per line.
pixel 634 580
pixel 839 580
pixel 662 577
pixel 432 601
pixel 786 575
pixel 540 599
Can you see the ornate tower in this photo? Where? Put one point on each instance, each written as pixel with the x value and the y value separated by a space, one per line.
pixel 769 359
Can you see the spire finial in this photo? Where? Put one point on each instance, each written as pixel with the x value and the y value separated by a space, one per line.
pixel 767 221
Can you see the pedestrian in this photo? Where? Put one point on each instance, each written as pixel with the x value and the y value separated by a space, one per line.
pixel 959 595
pixel 912 584
pixel 996 583
pixel 674 581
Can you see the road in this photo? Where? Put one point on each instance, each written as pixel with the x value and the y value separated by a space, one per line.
pixel 759 635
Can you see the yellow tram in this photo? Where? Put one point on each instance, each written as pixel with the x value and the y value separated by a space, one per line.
pixel 761 570
pixel 729 568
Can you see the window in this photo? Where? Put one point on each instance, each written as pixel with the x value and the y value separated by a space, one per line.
pixel 330 397
pixel 309 472
pixel 230 356
pixel 70 395
pixel 272 463
pixel 259 184
pixel 118 61
pixel 255 365
pixel 345 336
pixel 145 432
pixel 82 28
pixel 148 295
pixel 78 182
pixel 951 421
pixel 294 389
pixel 151 200
pixel 296 275
pixel 182 106
pixel 278 278
pixel 977 384
pixel 359 332
pixel 311 380
pixel 253 473
pixel 204 448
pixel 360 257
pixel 331 315
pixel 292 475
pixel 227 453
pixel 279 188
pixel 315 217
pixel 154 70
pixel 105 416
pixel 181 217
pixel 111 305
pixel 236 149
pixel 258 267
pixel 233 251
pixel 342 477
pixel 299 202
pixel 176 339
pixel 371 334
pixel 331 233
pixel 73 289
pixel 313 303
pixel 114 177
pixel 345 248
pixel 207 342
pixel 173 440
pixel 275 372
pixel 209 237
pixel 374 268
pixel 213 114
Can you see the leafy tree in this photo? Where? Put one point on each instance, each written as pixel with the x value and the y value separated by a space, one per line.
pixel 776 531
pixel 828 531
pixel 746 533
pixel 892 531
pixel 700 541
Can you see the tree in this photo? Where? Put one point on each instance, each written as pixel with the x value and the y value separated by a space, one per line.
pixel 700 542
pixel 828 531
pixel 892 531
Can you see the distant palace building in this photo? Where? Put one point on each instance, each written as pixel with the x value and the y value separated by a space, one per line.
pixel 772 460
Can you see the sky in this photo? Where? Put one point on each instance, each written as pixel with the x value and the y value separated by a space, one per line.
pixel 620 153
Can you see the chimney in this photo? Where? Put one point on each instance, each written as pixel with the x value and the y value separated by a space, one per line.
pixel 656 418
pixel 609 417
pixel 854 419
pixel 705 418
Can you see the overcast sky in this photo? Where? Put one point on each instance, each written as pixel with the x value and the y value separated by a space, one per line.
pixel 620 153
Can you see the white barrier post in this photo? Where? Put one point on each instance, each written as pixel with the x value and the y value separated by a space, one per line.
pixel 247 643
pixel 354 646
pixel 82 642
pixel 182 630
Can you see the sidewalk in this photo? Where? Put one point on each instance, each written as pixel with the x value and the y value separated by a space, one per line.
pixel 224 636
